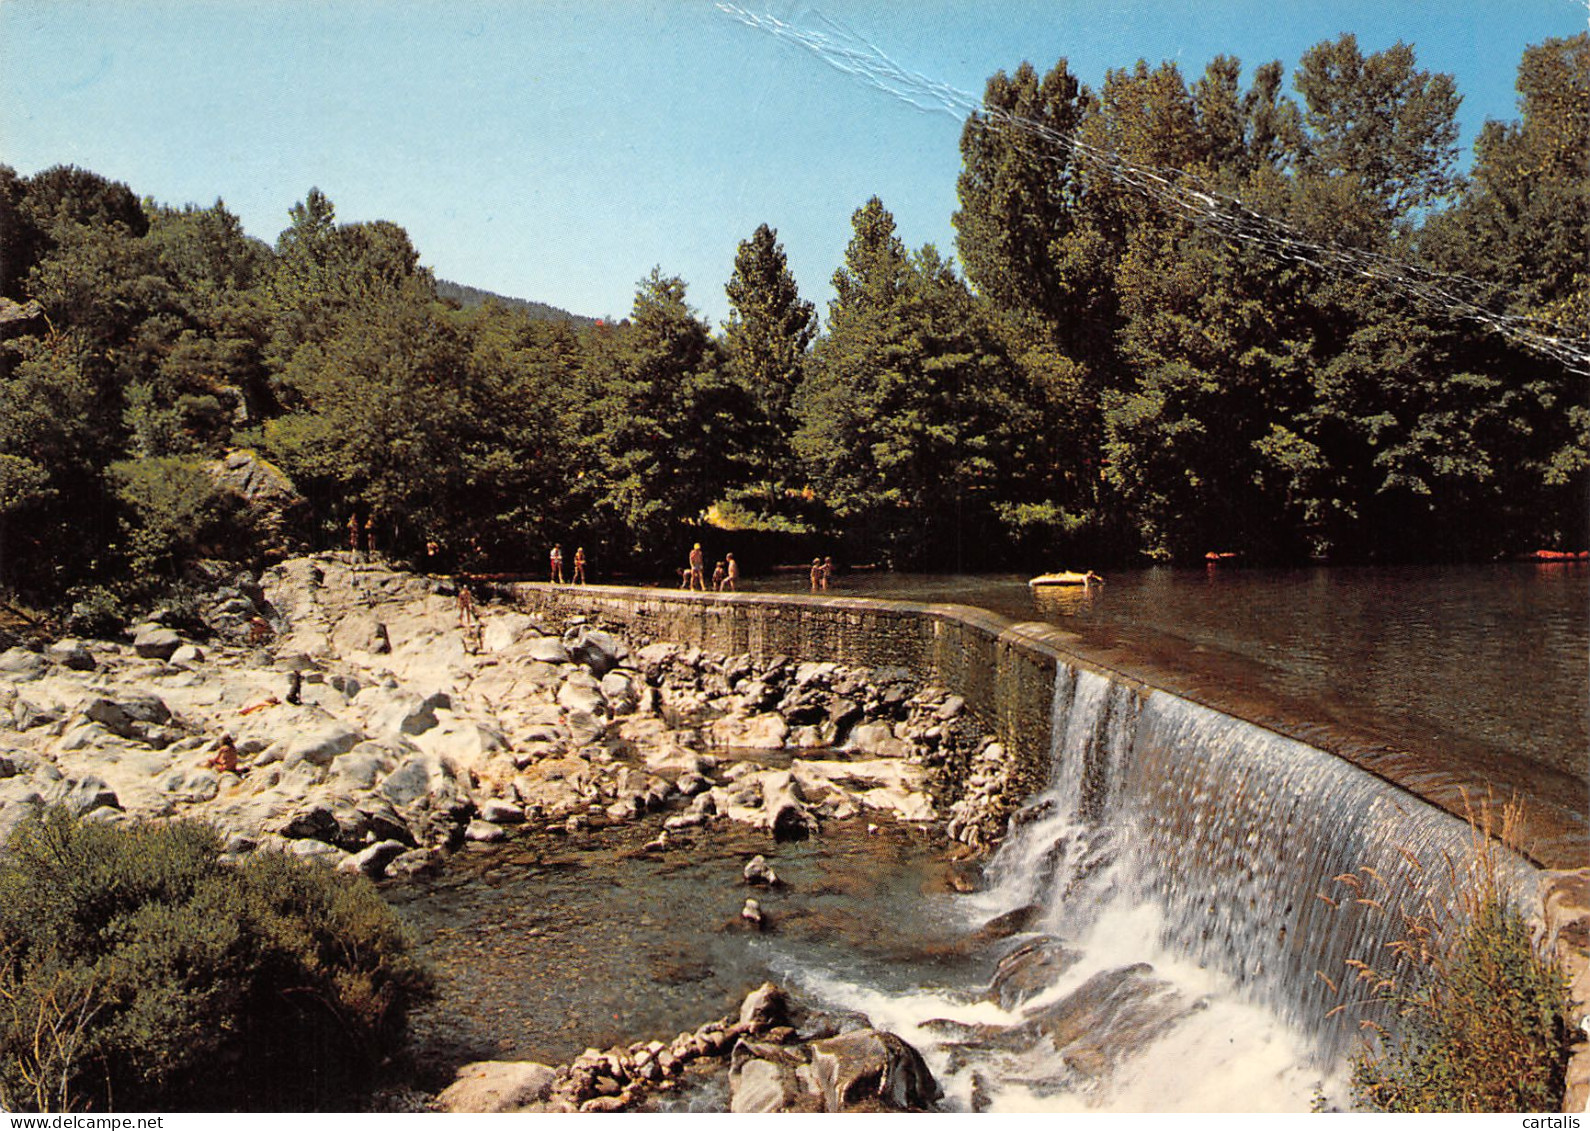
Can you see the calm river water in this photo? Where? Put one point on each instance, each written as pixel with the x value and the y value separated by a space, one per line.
pixel 1485 668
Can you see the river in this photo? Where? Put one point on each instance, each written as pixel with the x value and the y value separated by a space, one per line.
pixel 1443 678
pixel 1478 674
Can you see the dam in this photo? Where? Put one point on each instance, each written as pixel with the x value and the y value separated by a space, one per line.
pixel 1187 861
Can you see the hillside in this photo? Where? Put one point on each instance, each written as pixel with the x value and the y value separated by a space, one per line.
pixel 473 296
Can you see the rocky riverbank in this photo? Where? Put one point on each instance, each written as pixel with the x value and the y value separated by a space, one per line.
pixel 379 726
pixel 374 731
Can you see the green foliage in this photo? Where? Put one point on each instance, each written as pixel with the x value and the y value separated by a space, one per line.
pixel 174 511
pixel 914 421
pixel 766 339
pixel 1115 378
pixel 1487 1032
pixel 165 979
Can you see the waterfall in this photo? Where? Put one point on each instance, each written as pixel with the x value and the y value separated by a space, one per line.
pixel 1237 837
pixel 1183 927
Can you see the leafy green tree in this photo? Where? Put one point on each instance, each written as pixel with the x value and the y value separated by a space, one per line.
pixel 770 326
pixel 174 511
pixel 666 425
pixel 1385 127
pixel 915 423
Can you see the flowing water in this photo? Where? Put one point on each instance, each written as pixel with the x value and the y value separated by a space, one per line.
pixel 1169 926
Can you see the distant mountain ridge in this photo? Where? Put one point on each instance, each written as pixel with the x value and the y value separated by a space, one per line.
pixel 468 297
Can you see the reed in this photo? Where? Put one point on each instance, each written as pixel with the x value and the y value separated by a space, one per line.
pixel 1476 1014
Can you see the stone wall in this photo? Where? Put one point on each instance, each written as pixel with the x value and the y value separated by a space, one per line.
pixel 1005 672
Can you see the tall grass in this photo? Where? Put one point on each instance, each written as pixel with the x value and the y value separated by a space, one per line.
pixel 1481 1011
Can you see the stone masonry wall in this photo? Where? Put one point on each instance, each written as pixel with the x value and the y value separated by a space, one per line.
pixel 1005 673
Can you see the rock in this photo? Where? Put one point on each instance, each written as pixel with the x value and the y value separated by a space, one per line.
pixel 403 715
pixel 314 822
pixel 600 651
pixel 484 832
pixel 187 656
pixel 765 1077
pixel 89 794
pixel 765 1007
pixel 417 862
pixel 547 649
pixel 320 745
pixel 786 814
pixel 155 642
pixel 622 690
pixel 373 861
pixel 871 1070
pixel 493 1086
pixel 1110 1014
pixel 422 779
pixel 499 812
pixel 758 732
pixel 753 914
pixel 878 740
pixel 70 653
pixel 318 851
pixel 128 715
pixel 1028 970
pixel 860 1071
pixel 503 630
pixel 30 710
pixel 361 632
pixel 581 692
pixel 757 872
pixel 21 665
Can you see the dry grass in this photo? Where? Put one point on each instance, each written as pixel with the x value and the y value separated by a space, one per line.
pixel 1481 1011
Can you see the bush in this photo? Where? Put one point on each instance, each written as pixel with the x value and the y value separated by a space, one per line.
pixel 139 972
pixel 1485 1029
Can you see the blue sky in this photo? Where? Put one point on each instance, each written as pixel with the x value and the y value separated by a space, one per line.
pixel 558 150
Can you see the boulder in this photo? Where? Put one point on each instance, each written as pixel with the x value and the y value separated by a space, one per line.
pixel 493 1086
pixel 321 744
pixel 865 1070
pixel 1028 970
pixel 878 740
pixel 373 861
pixel 600 651
pixel 484 832
pixel 155 642
pixel 20 665
pixel 499 812
pixel 403 714
pixel 503 630
pixel 361 632
pixel 765 1007
pixel 423 780
pixel 581 692
pixel 70 653
pixel 757 732
pixel 547 649
pixel 871 1070
pixel 91 793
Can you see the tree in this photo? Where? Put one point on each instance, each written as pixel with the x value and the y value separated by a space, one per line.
pixel 667 427
pixel 914 421
pixel 1382 125
pixel 770 326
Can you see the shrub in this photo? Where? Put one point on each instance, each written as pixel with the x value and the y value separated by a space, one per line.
pixel 1484 1026
pixel 139 972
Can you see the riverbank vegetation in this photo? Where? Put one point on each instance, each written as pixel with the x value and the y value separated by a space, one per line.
pixel 138 972
pixel 1482 1010
pixel 1338 353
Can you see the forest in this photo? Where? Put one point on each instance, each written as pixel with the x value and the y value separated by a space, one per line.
pixel 1182 317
